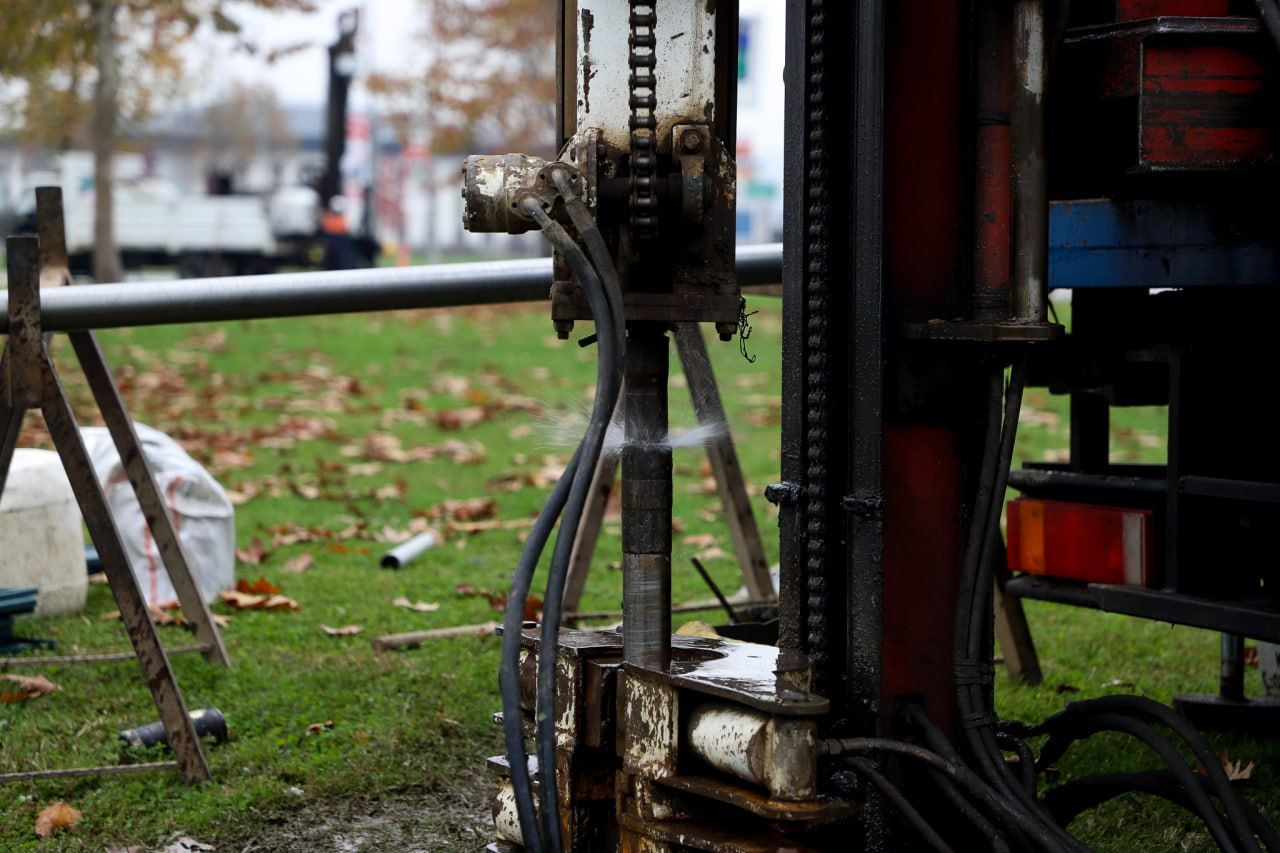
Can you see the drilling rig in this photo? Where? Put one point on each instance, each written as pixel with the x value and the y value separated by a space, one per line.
pixel 922 200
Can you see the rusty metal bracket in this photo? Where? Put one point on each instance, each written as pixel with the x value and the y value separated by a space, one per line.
pixel 31 382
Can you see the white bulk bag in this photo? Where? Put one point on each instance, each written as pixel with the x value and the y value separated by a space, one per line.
pixel 202 514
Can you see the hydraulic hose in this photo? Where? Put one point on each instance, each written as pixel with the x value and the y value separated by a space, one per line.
pixel 509 668
pixel 1203 808
pixel 1068 800
pixel 969 781
pixel 895 798
pixel 937 741
pixel 1144 707
pixel 608 384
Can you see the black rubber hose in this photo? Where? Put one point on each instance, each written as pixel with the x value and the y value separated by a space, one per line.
pixel 1068 800
pixel 608 383
pixel 973 599
pixel 509 668
pixel 1124 704
pixel 1086 726
pixel 1026 758
pixel 589 230
pixel 969 781
pixel 938 742
pixel 895 798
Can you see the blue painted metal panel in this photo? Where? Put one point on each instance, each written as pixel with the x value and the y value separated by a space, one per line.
pixel 1153 243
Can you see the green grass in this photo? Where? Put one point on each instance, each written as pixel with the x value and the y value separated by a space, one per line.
pixel 402 765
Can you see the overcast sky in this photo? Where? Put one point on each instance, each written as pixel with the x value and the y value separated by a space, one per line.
pixel 387 28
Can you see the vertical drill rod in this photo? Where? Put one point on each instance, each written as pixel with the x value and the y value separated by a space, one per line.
pixel 646 502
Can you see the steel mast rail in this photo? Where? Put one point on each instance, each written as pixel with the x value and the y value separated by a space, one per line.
pixel 202 300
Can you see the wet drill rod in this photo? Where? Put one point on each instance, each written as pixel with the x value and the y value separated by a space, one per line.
pixel 646 501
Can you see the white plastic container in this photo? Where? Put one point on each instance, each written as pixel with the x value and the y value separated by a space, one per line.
pixel 198 506
pixel 41 539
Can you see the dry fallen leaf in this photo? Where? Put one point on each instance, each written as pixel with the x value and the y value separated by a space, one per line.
pixel 467 416
pixel 241 600
pixel 261 586
pixel 419 606
pixel 29 687
pixel 254 554
pixel 55 817
pixel 316 728
pixel 344 631
pixel 1237 771
pixel 712 553
pixel 299 564
pixel 699 540
pixel 470 509
pixel 279 602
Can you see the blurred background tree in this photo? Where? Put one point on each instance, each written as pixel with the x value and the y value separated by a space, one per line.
pixel 81 70
pixel 489 79
pixel 245 123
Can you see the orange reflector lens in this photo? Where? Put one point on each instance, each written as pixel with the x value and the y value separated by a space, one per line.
pixel 1099 544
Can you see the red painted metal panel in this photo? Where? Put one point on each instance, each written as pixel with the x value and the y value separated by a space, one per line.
pixel 921 564
pixel 1204 105
pixel 1137 10
pixel 924 189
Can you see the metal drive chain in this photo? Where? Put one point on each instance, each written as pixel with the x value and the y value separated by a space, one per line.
pixel 643 55
pixel 817 345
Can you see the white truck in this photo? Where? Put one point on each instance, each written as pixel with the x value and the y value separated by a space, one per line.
pixel 156 224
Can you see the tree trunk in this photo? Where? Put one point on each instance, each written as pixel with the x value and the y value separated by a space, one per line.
pixel 106 258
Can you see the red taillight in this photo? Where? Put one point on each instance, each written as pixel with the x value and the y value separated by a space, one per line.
pixel 1099 544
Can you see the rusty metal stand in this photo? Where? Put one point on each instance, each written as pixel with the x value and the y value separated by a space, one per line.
pixel 743 531
pixel 1016 643
pixel 30 381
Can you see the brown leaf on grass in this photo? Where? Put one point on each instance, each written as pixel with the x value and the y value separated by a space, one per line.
pixel 261 586
pixel 498 600
pixel 418 606
pixel 1237 771
pixel 470 509
pixel 254 554
pixel 298 564
pixel 713 553
pixel 162 613
pixel 699 540
pixel 219 620
pixel 243 600
pixel 344 631
pixel 55 817
pixel 467 416
pixel 490 524
pixel 98 577
pixel 240 600
pixel 29 687
pixel 317 728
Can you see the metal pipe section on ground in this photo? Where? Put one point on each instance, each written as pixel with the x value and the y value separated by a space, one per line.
pixel 299 294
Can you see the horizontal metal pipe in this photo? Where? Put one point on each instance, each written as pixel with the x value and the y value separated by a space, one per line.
pixel 203 300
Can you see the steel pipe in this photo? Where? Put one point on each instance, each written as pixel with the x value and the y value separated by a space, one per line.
pixel 1030 172
pixel 158 303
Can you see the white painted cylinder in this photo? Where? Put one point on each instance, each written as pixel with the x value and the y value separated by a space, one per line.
pixel 1269 667
pixel 730 739
pixel 40 534
pixel 506 818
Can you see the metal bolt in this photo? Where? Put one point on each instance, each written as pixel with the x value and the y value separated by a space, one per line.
pixel 691 139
